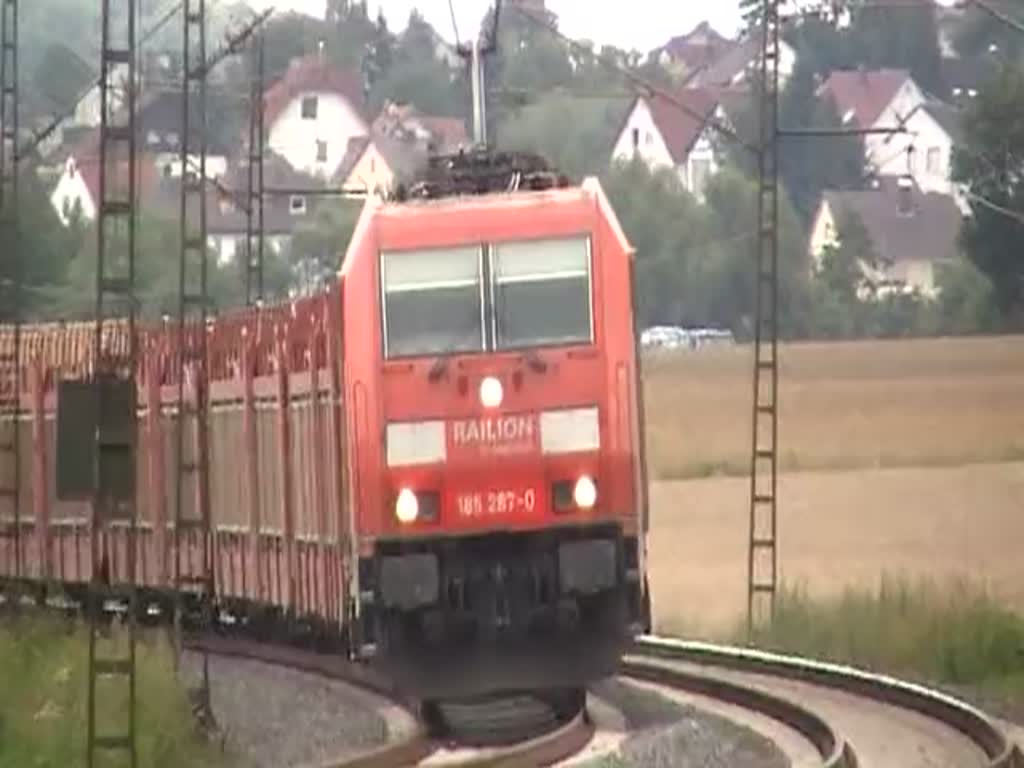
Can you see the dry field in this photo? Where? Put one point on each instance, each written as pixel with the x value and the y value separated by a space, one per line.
pixel 842 405
pixel 916 448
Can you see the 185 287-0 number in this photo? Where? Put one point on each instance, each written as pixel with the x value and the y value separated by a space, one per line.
pixel 496 503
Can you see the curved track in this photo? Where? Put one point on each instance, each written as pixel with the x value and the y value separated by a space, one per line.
pixel 873 720
pixel 818 714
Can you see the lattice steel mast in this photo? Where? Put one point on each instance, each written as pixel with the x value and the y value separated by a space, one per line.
pixel 192 525
pixel 113 378
pixel 254 230
pixel 11 298
pixel 762 568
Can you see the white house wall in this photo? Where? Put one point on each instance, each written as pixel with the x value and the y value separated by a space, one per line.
pixel 295 138
pixel 69 190
pixel 931 161
pixel 878 147
pixel 651 147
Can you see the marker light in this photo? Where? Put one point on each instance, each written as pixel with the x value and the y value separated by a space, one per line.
pixel 407 507
pixel 585 493
pixel 491 393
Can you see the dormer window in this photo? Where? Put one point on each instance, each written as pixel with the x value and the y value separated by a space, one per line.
pixel 297 205
pixel 309 107
pixel 636 138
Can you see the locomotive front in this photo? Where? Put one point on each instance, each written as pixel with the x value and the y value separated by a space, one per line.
pixel 495 441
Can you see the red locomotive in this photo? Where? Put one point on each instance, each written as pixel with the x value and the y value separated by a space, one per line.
pixel 440 458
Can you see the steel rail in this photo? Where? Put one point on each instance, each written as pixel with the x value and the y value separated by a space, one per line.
pixel 834 749
pixel 960 716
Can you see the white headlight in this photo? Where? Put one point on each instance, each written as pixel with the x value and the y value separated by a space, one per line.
pixel 491 392
pixel 585 493
pixel 407 507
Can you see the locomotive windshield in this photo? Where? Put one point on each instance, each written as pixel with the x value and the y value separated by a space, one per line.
pixel 432 302
pixel 535 293
pixel 541 293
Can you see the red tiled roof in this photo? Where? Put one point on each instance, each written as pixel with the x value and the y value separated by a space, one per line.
pixel 865 93
pixel 451 131
pixel 678 127
pixel 312 73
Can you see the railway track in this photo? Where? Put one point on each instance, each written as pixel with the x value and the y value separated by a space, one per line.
pixel 818 714
pixel 835 717
pixel 851 718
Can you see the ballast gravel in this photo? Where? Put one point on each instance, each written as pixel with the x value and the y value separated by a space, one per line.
pixel 668 734
pixel 273 717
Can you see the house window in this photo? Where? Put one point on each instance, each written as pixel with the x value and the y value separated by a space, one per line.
pixel 648 138
pixel 933 162
pixel 373 165
pixel 309 105
pixel 297 205
pixel 321 151
pixel 636 138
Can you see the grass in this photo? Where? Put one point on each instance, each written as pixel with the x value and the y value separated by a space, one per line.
pixel 851 405
pixel 955 635
pixel 43 701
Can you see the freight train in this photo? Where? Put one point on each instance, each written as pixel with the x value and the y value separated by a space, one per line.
pixel 439 457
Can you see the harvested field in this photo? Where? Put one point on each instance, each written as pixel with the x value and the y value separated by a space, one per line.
pixel 929 402
pixel 836 530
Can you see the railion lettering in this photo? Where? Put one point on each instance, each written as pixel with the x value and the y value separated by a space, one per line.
pixel 494 431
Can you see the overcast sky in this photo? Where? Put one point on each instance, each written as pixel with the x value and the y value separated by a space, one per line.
pixel 641 24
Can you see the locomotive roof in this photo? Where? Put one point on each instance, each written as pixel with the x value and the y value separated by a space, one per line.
pixel 589 191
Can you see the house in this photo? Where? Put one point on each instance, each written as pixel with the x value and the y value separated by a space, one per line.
pixel 910 230
pixel 664 135
pixel 925 130
pixel 226 219
pixel 735 65
pixel 703 58
pixel 696 50
pixel 436 135
pixel 158 154
pixel 376 164
pixel 875 100
pixel 925 151
pixel 312 112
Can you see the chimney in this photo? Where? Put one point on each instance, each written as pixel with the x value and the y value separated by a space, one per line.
pixel 904 195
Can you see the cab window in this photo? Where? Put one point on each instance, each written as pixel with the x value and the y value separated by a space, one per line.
pixel 542 293
pixel 432 302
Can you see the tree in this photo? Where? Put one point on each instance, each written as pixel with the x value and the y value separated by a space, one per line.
pixel 810 165
pixel 541 127
pixel 901 37
pixel 37 245
pixel 418 76
pixel 318 245
pixel 990 162
pixel 980 30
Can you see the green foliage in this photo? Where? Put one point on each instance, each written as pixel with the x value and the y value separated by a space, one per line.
pixel 416 74
pixel 695 262
pixel 39 246
pixel 811 165
pixel 958 634
pixel 965 299
pixel 990 161
pixel 575 134
pixel 981 30
pixel 43 715
pixel 318 244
